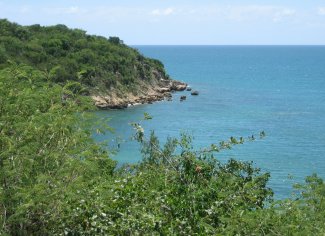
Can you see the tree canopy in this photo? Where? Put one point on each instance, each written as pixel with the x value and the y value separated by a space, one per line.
pixel 72 55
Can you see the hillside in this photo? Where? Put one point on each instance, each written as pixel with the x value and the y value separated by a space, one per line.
pixel 113 74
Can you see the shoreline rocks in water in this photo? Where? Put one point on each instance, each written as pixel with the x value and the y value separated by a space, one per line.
pixel 195 93
pixel 158 92
pixel 178 86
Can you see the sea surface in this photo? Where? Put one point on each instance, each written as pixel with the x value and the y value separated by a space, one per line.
pixel 243 90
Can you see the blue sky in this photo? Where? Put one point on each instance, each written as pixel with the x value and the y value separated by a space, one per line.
pixel 166 22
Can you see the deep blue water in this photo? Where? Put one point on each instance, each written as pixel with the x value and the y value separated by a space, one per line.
pixel 243 90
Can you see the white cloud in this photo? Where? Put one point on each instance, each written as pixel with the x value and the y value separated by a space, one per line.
pixel 72 10
pixel 259 12
pixel 283 13
pixel 237 13
pixel 163 12
pixel 321 11
pixel 65 10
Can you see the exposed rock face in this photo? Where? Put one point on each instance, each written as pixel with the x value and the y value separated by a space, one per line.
pixel 178 86
pixel 146 93
pixel 163 90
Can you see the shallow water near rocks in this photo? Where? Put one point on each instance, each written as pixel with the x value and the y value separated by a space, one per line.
pixel 242 91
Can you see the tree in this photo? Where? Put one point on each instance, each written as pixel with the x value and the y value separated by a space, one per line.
pixel 115 40
pixel 47 153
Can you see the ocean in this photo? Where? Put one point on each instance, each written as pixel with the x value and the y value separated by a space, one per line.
pixel 242 90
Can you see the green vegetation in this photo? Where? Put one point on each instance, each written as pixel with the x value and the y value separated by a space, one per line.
pixel 63 54
pixel 55 180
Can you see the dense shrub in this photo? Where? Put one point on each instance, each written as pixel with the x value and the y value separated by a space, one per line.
pixel 66 52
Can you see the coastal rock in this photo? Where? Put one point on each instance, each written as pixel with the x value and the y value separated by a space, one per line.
pixel 145 94
pixel 182 98
pixel 163 90
pixel 178 86
pixel 188 89
pixel 118 106
pixel 165 82
pixel 168 95
pixel 195 93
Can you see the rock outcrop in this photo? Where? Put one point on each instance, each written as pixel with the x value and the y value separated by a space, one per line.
pixel 182 98
pixel 178 86
pixel 146 94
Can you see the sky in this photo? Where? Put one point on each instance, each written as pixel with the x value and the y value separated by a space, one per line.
pixel 180 22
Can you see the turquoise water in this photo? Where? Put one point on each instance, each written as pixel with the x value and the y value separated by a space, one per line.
pixel 243 90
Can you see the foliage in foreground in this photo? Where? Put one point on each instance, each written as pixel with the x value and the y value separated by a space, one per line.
pixel 54 180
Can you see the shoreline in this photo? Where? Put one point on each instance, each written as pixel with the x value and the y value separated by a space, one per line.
pixel 147 95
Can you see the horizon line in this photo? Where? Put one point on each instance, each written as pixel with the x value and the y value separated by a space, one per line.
pixel 281 45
